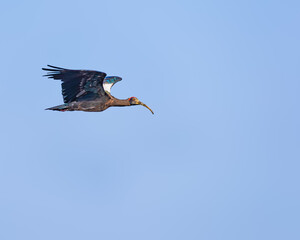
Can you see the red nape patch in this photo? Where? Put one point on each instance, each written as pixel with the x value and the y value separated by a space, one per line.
pixel 131 98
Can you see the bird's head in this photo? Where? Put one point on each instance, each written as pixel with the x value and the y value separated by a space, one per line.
pixel 135 101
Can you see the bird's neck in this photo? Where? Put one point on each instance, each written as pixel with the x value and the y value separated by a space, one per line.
pixel 120 102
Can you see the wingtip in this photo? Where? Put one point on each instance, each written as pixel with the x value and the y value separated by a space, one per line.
pixel 54 66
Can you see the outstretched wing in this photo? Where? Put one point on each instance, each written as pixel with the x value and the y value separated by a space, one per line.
pixel 109 82
pixel 78 84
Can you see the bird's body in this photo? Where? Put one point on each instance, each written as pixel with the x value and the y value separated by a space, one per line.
pixel 97 105
pixel 89 91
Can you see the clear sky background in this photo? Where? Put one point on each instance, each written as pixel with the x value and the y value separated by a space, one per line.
pixel 219 159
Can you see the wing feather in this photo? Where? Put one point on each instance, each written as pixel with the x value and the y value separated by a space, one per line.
pixel 77 83
pixel 110 81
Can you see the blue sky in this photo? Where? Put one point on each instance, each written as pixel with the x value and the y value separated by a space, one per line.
pixel 219 159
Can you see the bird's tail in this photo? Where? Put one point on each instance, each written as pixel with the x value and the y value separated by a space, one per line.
pixel 61 108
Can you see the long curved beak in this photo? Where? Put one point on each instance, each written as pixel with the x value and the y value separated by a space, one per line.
pixel 143 104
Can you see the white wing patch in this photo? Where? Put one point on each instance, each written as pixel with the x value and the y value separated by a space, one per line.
pixel 109 81
pixel 107 86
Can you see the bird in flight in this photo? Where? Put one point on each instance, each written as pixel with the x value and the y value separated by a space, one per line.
pixel 86 90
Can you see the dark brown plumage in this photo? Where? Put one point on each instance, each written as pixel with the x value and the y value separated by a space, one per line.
pixel 86 90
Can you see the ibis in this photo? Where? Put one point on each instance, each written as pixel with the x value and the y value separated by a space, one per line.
pixel 87 90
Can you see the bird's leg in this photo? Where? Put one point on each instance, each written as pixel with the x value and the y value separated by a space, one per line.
pixel 108 93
